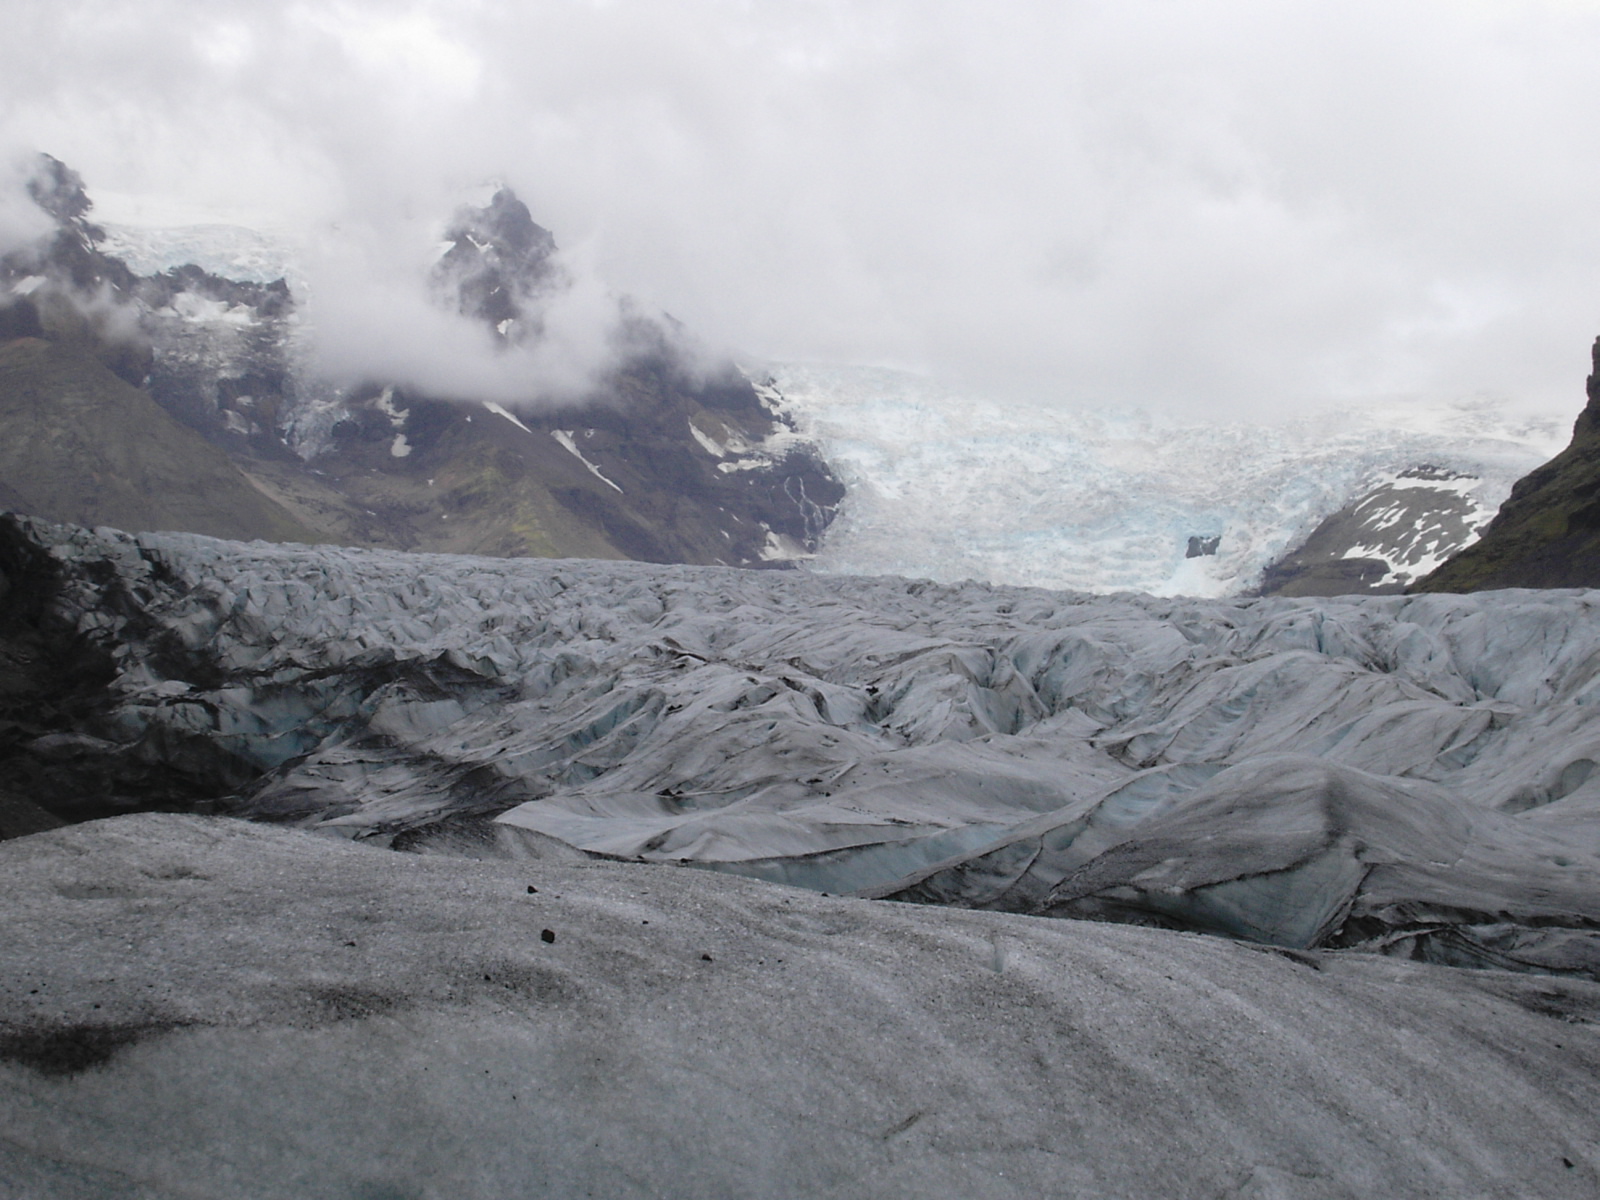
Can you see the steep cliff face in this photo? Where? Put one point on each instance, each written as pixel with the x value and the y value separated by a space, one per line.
pixel 663 460
pixel 1548 533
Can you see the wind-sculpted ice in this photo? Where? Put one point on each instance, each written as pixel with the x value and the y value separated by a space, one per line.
pixel 1408 774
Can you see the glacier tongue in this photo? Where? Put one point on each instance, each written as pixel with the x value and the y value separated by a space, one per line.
pixel 1123 757
pixel 948 485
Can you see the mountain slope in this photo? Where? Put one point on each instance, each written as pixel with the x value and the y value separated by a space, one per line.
pixel 1393 532
pixel 83 445
pixel 1547 534
pixel 662 459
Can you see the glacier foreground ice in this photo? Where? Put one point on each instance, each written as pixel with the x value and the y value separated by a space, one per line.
pixel 200 1006
pixel 1410 775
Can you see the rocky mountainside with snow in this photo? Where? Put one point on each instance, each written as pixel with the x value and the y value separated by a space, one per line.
pixel 1388 537
pixel 664 460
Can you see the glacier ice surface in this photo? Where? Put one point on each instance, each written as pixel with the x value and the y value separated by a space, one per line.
pixel 200 1006
pixel 1279 770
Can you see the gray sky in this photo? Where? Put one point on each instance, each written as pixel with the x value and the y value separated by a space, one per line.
pixel 1238 206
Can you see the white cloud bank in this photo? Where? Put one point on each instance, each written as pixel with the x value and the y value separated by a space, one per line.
pixel 1231 207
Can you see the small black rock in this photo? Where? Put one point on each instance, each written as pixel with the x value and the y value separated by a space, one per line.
pixel 547 935
pixel 707 958
pixel 532 889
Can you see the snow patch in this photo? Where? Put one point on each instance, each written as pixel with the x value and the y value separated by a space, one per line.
pixel 386 405
pixel 766 390
pixel 707 444
pixel 564 436
pixel 778 547
pixel 507 414
pixel 197 308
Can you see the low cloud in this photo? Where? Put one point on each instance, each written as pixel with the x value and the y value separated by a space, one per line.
pixel 22 222
pixel 1230 209
pixel 371 315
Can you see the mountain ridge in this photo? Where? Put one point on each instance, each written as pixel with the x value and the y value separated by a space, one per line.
pixel 661 460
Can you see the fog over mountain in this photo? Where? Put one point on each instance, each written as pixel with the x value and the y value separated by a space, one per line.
pixel 1232 209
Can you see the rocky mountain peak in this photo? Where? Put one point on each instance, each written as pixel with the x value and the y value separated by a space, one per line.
pixel 497 264
pixel 58 189
pixel 657 462
pixel 71 255
pixel 1589 418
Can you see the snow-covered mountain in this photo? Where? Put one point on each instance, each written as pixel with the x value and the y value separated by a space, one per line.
pixel 948 485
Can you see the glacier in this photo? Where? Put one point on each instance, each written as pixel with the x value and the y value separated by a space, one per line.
pixel 562 876
pixel 946 484
pixel 227 251
pixel 1010 748
pixel 200 1006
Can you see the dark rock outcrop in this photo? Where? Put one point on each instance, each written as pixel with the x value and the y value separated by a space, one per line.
pixel 1547 534
pixel 499 265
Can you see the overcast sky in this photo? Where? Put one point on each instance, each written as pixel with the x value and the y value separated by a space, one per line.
pixel 1239 206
